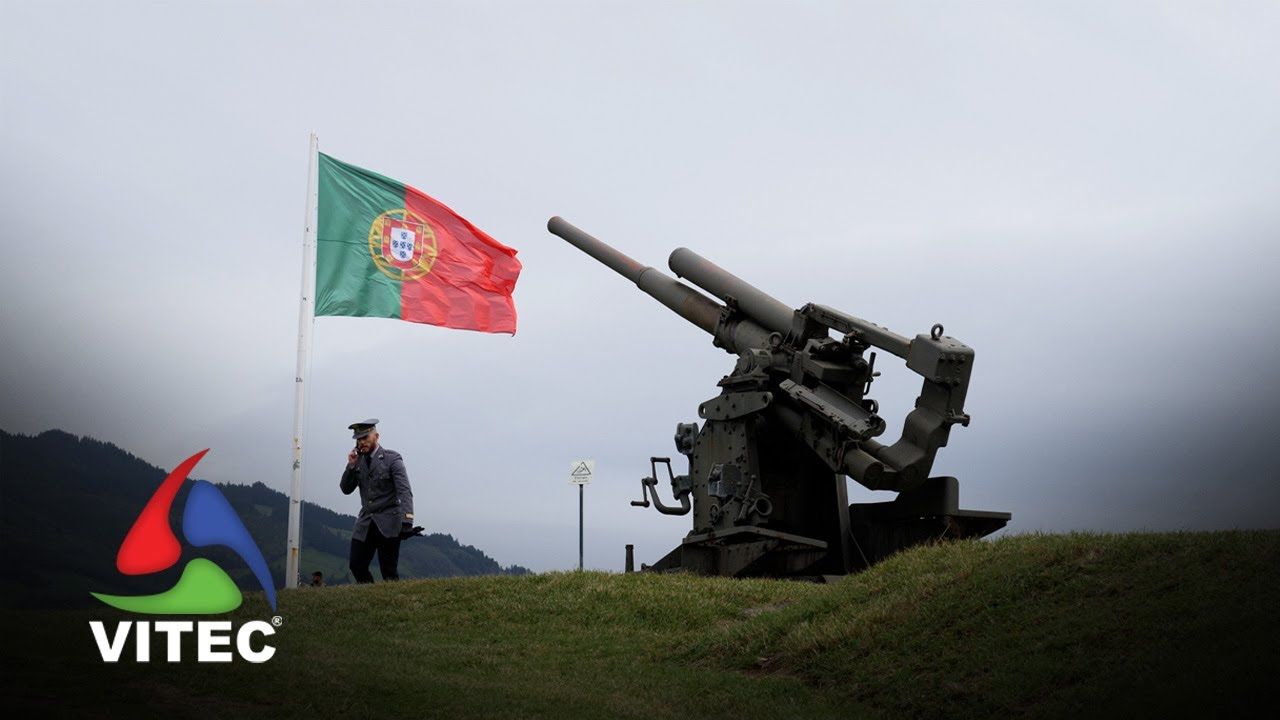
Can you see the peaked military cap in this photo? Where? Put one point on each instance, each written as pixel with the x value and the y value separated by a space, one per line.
pixel 362 428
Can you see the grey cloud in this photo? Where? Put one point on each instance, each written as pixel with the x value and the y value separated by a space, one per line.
pixel 1085 195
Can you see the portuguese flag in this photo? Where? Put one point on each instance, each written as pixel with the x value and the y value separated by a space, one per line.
pixel 384 249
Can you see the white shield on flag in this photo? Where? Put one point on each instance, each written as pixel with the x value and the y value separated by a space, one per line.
pixel 402 241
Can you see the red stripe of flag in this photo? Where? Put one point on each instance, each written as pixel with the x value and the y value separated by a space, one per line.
pixel 470 284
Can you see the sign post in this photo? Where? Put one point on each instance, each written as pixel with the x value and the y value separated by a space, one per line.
pixel 580 473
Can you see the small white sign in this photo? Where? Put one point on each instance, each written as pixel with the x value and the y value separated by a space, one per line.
pixel 581 471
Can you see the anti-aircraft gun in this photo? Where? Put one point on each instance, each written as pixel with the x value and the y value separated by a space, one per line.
pixel 765 480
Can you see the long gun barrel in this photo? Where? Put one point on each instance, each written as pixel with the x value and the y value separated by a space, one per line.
pixel 758 305
pixel 735 332
pixel 680 298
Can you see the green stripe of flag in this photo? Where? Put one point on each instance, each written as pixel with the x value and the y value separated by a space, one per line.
pixel 347 281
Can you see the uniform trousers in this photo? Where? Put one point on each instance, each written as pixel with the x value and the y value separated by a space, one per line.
pixel 362 551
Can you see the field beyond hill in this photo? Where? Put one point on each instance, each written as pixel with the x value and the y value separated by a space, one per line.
pixel 1038 625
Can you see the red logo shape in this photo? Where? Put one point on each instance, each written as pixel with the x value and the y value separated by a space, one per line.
pixel 150 545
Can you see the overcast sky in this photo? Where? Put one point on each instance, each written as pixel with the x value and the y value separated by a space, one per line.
pixel 1085 193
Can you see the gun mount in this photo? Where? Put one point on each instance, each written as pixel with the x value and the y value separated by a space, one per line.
pixel 765 483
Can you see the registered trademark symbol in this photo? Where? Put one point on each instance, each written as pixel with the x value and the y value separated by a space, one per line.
pixel 277 621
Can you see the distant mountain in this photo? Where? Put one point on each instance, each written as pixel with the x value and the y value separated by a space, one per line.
pixel 66 502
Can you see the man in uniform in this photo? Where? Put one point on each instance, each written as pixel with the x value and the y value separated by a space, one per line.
pixel 386 503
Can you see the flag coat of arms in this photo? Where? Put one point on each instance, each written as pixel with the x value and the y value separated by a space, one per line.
pixel 385 249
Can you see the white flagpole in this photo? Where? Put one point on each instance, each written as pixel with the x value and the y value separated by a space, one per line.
pixel 306 319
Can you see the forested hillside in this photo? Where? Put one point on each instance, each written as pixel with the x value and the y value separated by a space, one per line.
pixel 66 502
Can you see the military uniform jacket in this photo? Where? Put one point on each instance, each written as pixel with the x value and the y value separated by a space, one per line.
pixel 385 495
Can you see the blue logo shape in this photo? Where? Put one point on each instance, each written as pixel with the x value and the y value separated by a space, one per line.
pixel 208 520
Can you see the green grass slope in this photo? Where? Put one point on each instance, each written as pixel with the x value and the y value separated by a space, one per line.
pixel 1042 625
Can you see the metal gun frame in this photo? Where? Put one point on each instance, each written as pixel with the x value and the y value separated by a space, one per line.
pixel 765 483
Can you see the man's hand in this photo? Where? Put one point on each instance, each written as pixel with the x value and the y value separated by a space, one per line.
pixel 408 530
pixel 351 458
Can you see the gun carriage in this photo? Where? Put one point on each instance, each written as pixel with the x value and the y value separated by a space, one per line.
pixel 765 470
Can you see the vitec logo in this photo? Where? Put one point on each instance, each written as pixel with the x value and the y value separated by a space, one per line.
pixel 203 589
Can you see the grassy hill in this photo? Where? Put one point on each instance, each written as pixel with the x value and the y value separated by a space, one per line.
pixel 1042 625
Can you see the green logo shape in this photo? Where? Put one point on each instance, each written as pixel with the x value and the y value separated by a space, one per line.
pixel 203 589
